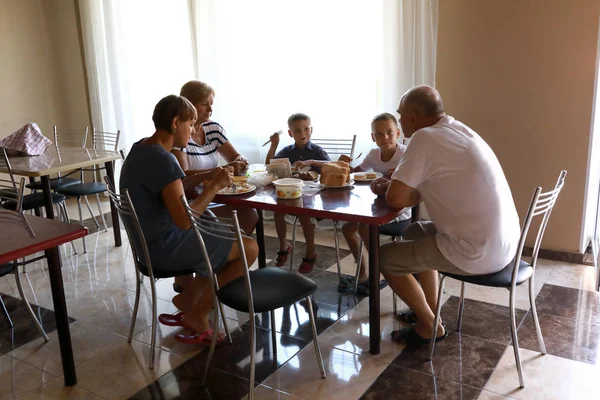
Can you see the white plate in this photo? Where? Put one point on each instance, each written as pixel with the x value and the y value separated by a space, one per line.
pixel 240 189
pixel 339 187
pixel 353 176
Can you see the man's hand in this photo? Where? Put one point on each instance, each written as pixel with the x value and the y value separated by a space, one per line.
pixel 379 186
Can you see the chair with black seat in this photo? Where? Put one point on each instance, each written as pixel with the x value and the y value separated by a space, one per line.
pixel 9 189
pixel 259 291
pixel 100 141
pixel 19 220
pixel 142 262
pixel 514 274
pixel 60 181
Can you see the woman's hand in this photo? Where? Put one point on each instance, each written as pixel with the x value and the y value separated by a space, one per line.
pixel 222 177
pixel 239 167
pixel 379 186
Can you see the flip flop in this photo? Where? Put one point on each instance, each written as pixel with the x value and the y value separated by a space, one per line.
pixel 408 316
pixel 411 338
pixel 282 257
pixel 203 338
pixel 171 319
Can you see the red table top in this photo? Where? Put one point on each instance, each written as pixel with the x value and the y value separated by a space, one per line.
pixel 16 241
pixel 356 204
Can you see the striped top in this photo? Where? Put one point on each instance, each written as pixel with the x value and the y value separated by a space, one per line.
pixel 206 156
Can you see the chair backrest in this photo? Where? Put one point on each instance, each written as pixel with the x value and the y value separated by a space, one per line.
pixel 208 224
pixel 541 206
pixel 137 241
pixel 337 147
pixel 105 140
pixel 69 137
pixel 7 180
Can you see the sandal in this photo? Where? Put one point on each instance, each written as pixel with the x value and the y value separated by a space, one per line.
pixel 282 257
pixel 178 288
pixel 363 287
pixel 346 284
pixel 171 319
pixel 411 338
pixel 408 316
pixel 307 264
pixel 203 338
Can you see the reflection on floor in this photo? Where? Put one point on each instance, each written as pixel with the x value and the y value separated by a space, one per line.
pixel 476 364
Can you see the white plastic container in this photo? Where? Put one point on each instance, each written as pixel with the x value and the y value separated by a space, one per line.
pixel 288 188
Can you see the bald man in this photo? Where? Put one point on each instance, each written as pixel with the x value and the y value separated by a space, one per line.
pixel 475 226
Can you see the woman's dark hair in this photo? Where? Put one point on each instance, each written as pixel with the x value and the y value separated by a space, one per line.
pixel 170 107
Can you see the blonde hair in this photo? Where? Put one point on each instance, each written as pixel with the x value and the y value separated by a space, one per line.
pixel 170 107
pixel 196 91
pixel 383 117
pixel 297 117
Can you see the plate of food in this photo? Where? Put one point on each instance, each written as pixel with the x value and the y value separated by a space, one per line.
pixel 345 185
pixel 336 175
pixel 237 188
pixel 366 176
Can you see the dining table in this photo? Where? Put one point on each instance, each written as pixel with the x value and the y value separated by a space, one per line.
pixel 353 203
pixel 63 160
pixel 23 235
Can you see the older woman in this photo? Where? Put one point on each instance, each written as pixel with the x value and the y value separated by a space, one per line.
pixel 155 182
pixel 207 142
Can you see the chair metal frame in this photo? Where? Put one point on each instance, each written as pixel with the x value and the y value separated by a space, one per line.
pixel 541 205
pixel 20 220
pixel 126 209
pixel 229 229
pixel 331 146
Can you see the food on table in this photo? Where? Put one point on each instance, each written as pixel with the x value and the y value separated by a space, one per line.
pixel 335 173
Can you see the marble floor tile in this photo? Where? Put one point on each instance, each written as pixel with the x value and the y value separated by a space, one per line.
pixel 485 395
pixel 463 359
pixel 546 377
pixel 327 291
pixel 55 389
pixel 348 374
pixel 87 341
pixel 481 320
pixel 235 358
pixel 566 338
pixel 17 378
pixel 351 333
pixel 123 370
pixel 185 382
pixel 403 383
pixel 573 275
pixel 24 330
pixel 580 305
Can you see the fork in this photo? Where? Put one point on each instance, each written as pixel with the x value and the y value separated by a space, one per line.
pixel 233 187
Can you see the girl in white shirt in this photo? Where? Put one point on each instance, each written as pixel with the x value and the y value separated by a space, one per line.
pixel 383 159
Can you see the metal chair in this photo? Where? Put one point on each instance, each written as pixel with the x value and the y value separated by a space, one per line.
pixel 60 181
pixel 100 141
pixel 13 267
pixel 142 262
pixel 337 147
pixel 514 274
pixel 257 291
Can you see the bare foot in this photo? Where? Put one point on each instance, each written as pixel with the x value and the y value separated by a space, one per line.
pixel 195 324
pixel 425 332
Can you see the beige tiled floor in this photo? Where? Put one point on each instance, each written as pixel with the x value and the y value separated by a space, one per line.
pixel 100 292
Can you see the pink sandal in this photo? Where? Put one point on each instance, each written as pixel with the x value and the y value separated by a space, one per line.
pixel 203 338
pixel 307 264
pixel 171 319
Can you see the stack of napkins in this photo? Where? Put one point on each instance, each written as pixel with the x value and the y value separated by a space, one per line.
pixel 26 141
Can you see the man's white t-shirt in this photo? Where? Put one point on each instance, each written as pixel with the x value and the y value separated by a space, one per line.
pixel 466 193
pixel 373 161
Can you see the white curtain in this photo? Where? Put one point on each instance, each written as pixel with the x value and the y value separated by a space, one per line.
pixel 339 61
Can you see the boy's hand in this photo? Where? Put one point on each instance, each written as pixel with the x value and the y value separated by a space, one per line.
pixel 274 139
pixel 345 158
pixel 379 186
pixel 302 164
pixel 389 173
